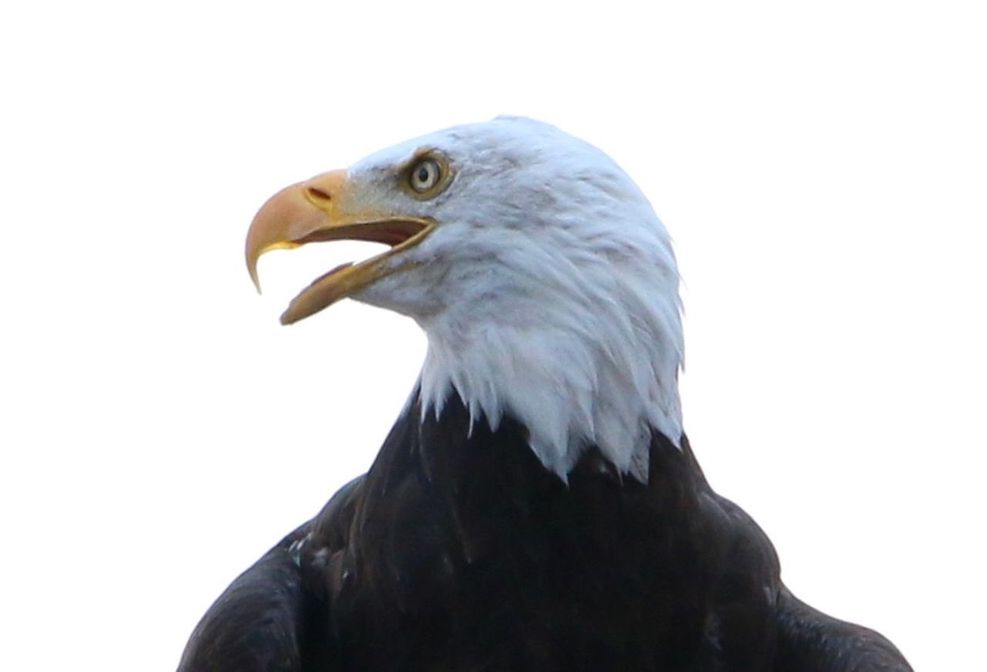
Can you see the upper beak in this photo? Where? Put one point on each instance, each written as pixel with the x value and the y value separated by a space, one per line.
pixel 328 207
pixel 291 215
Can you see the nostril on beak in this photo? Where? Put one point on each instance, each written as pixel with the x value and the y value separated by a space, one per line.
pixel 317 197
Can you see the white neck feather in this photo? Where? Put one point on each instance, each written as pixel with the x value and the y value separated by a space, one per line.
pixel 594 364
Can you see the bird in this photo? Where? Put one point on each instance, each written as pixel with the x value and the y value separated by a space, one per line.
pixel 537 504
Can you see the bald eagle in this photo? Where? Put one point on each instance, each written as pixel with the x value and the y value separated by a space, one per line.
pixel 536 505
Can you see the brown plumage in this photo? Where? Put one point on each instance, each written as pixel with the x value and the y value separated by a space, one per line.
pixel 465 554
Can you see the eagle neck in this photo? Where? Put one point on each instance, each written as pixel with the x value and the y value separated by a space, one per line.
pixel 574 385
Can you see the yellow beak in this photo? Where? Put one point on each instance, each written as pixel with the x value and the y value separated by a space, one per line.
pixel 328 207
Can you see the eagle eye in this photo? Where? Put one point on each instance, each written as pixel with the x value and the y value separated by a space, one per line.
pixel 424 175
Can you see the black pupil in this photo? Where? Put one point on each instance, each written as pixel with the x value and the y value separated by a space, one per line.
pixel 423 173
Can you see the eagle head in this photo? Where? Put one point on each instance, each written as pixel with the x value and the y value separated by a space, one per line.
pixel 544 281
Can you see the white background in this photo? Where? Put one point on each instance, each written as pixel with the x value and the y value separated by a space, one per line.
pixel 822 170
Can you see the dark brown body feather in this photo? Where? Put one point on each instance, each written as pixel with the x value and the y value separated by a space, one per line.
pixel 459 552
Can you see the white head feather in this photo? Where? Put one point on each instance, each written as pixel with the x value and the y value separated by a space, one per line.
pixel 548 292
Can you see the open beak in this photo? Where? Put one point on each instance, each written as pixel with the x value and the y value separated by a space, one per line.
pixel 323 208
